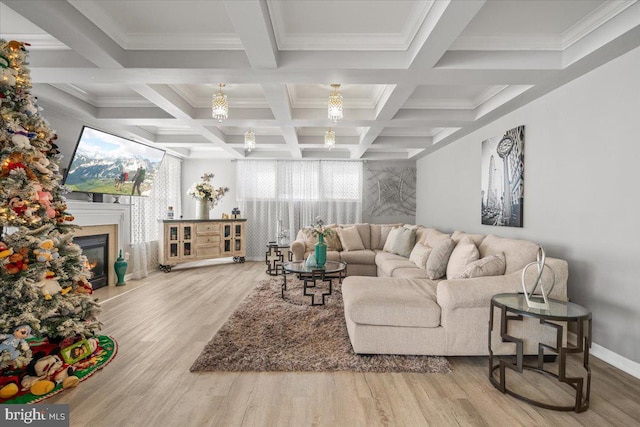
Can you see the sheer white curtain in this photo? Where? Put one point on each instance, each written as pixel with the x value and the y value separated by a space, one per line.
pixel 146 211
pixel 296 192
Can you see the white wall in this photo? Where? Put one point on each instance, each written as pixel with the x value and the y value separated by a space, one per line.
pixel 582 150
pixel 225 176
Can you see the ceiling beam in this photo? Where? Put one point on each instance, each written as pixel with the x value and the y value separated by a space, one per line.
pixel 444 23
pixel 64 22
pixel 167 99
pixel 252 23
pixel 278 99
pixel 55 73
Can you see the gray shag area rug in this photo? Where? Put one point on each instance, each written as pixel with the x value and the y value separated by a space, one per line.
pixel 267 333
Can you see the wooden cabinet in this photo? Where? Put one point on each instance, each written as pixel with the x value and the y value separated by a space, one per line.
pixel 194 240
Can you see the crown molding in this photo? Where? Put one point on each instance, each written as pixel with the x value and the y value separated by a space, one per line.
pixel 197 101
pixel 102 101
pixel 37 41
pixel 361 103
pixel 592 21
pixel 577 31
pixel 508 42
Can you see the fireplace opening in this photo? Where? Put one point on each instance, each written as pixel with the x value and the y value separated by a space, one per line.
pixel 95 248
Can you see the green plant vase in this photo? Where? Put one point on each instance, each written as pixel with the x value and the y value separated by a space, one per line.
pixel 121 269
pixel 320 251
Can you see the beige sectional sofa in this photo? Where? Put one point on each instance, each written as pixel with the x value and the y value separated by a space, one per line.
pixel 402 311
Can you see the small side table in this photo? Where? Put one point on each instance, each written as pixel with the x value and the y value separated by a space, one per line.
pixel 513 307
pixel 275 257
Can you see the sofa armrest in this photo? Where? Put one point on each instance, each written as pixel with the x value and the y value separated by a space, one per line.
pixel 477 292
pixel 298 249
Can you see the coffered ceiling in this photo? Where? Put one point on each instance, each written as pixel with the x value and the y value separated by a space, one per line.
pixel 415 75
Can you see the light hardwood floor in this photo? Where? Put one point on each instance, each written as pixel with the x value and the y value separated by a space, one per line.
pixel 163 322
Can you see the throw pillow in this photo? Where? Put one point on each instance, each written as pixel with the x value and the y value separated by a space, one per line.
pixel 333 240
pixel 404 241
pixel 391 238
pixel 439 258
pixel 384 235
pixel 492 265
pixel 420 254
pixel 463 254
pixel 350 239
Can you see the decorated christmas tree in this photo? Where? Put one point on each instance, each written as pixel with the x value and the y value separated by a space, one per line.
pixel 44 291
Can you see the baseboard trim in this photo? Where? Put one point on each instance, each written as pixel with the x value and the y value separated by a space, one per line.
pixel 614 359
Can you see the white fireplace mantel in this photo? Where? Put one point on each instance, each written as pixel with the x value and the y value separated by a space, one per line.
pixel 91 213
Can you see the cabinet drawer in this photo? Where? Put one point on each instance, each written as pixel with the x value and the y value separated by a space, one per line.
pixel 207 251
pixel 208 238
pixel 208 228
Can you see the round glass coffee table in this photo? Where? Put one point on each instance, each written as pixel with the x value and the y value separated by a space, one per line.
pixel 513 307
pixel 311 276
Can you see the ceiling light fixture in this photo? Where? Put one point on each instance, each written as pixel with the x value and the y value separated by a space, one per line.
pixel 329 139
pixel 249 140
pixel 335 104
pixel 220 107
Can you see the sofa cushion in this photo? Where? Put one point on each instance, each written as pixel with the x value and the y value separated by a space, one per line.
pixel 410 273
pixel 419 255
pixel 365 234
pixel 439 258
pixel 463 254
pixel 432 237
pixel 382 257
pixel 350 239
pixel 492 265
pixel 390 265
pixel 365 256
pixel 517 253
pixel 391 302
pixel 404 242
pixel 476 238
pixel 379 234
pixel 421 233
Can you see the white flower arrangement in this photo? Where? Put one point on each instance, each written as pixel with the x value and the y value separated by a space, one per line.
pixel 205 192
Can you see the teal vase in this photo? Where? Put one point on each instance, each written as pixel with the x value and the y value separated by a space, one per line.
pixel 121 269
pixel 320 251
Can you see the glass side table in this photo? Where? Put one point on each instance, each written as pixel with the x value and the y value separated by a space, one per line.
pixel 513 307
pixel 276 255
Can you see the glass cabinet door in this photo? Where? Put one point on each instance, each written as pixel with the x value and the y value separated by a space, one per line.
pixel 173 243
pixel 187 242
pixel 238 239
pixel 227 240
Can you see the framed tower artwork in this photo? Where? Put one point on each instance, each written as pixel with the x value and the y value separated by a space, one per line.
pixel 503 179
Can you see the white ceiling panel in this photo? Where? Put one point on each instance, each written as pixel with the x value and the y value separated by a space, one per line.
pixel 342 25
pixel 144 24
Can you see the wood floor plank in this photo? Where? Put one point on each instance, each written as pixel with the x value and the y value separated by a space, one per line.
pixel 163 324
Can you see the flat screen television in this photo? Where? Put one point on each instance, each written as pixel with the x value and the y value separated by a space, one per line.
pixel 108 164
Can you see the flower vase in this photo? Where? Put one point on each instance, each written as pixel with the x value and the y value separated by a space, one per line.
pixel 320 250
pixel 202 209
pixel 120 266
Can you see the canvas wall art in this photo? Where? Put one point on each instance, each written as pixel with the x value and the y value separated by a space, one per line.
pixel 391 191
pixel 503 179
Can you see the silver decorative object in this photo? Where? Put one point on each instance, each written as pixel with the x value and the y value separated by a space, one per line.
pixel 539 301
